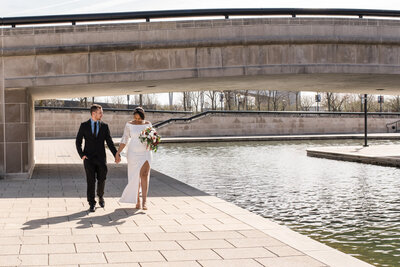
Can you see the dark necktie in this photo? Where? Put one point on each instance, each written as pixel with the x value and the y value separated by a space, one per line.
pixel 96 128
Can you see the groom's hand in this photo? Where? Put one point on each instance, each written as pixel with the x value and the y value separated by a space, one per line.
pixel 117 158
pixel 84 157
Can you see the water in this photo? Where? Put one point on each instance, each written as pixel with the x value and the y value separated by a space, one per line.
pixel 349 206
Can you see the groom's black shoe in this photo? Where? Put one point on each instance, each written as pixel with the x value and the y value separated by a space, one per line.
pixel 92 208
pixel 101 202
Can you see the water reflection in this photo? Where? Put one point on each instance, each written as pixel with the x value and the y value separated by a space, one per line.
pixel 350 206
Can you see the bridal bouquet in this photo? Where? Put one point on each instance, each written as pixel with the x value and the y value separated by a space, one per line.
pixel 150 137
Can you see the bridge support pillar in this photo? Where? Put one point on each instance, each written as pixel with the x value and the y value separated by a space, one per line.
pixel 16 133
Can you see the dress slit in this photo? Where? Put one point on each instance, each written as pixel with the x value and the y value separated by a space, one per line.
pixel 137 156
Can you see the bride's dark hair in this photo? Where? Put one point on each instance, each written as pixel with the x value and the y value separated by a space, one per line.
pixel 140 111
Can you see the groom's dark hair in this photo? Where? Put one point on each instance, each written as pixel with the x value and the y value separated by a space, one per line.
pixel 94 108
pixel 140 111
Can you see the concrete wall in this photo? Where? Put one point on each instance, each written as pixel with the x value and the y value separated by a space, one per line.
pixel 18 136
pixel 65 123
pixel 270 124
pixel 51 123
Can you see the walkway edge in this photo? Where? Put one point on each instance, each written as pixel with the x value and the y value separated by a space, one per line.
pixel 321 252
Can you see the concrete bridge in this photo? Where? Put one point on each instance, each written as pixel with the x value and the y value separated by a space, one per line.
pixel 317 54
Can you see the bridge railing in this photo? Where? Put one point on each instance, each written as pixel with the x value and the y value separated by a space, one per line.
pixel 226 13
pixel 393 126
pixel 288 113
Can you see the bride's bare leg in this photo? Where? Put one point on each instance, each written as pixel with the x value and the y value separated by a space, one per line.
pixel 144 181
pixel 138 197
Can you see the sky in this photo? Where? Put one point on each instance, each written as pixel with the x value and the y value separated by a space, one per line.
pixel 16 8
pixel 19 8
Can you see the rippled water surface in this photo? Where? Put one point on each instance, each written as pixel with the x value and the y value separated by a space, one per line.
pixel 350 206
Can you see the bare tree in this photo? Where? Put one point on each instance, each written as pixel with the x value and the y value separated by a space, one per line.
pixel 186 101
pixel 394 104
pixel 306 102
pixel 275 98
pixel 196 100
pixel 297 100
pixel 335 102
pixel 118 100
pixel 228 99
pixel 212 95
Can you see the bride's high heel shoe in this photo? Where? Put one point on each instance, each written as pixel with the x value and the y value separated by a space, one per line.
pixel 138 205
pixel 144 205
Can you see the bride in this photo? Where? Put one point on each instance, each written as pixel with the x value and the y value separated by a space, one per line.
pixel 139 160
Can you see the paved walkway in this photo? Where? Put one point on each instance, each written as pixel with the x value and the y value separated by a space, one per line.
pixel 384 155
pixel 44 221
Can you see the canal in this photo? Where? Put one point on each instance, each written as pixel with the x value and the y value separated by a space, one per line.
pixel 349 206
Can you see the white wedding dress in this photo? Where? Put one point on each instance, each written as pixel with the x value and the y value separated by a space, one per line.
pixel 137 155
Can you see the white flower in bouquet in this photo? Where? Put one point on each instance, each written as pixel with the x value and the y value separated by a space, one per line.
pixel 150 137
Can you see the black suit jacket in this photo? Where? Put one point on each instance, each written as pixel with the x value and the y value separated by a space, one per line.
pixel 94 146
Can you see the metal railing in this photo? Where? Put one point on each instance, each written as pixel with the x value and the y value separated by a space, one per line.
pixel 288 113
pixel 226 13
pixel 393 126
pixel 109 109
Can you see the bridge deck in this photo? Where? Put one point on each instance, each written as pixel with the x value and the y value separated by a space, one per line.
pixel 44 221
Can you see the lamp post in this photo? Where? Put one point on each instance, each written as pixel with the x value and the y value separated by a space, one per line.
pixel 221 99
pixel 317 99
pixel 380 101
pixel 365 120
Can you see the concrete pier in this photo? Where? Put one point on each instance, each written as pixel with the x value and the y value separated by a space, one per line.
pixel 44 222
pixel 383 155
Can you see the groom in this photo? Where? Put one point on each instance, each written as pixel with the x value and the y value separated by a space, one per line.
pixel 93 155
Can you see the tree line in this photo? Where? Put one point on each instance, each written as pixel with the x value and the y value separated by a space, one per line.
pixel 251 100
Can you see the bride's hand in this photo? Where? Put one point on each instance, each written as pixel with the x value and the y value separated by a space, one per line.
pixel 117 158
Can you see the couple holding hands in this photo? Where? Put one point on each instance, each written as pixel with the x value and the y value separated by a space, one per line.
pixel 96 132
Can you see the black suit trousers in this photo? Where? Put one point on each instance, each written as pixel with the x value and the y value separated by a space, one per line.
pixel 95 169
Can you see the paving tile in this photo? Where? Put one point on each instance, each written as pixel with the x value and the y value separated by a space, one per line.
pixel 335 257
pixel 298 261
pixel 296 240
pixel 101 247
pixel 131 264
pixel 218 235
pixel 123 237
pixel 69 239
pixel 76 258
pixel 149 222
pixel 92 230
pixel 185 228
pixel 198 221
pixel 140 229
pixel 47 249
pixel 204 244
pixel 49 232
pixel 9 249
pixel 24 240
pixel 231 263
pixel 170 236
pixel 187 255
pixel 11 232
pixel 17 260
pixel 228 227
pixel 170 264
pixel 253 233
pixel 243 253
pixel 283 251
pixel 255 242
pixel 154 245
pixel 136 256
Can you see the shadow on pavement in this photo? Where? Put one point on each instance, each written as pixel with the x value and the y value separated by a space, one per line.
pixel 69 181
pixel 83 220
